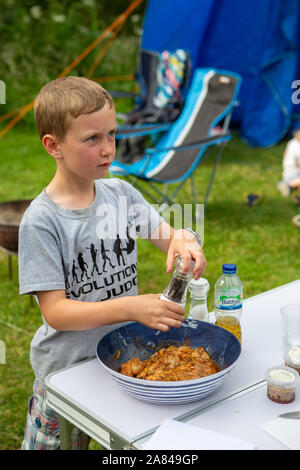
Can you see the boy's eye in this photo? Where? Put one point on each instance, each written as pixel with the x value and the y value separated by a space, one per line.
pixel 112 133
pixel 92 138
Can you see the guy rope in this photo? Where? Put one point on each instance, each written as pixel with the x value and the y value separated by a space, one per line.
pixel 110 32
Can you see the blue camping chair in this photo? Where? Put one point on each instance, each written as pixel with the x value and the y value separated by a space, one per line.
pixel 163 79
pixel 209 102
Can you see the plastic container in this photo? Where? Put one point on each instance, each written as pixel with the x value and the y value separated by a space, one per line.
pixel 229 300
pixel 177 289
pixel 292 357
pixel 198 292
pixel 282 384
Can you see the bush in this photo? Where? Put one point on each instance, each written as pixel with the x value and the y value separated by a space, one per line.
pixel 40 38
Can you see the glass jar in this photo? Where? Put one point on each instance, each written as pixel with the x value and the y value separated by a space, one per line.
pixel 198 291
pixel 281 384
pixel 177 288
pixel 292 357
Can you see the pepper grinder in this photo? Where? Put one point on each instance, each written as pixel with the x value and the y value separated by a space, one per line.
pixel 177 288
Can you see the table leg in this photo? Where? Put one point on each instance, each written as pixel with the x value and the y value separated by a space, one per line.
pixel 65 433
pixel 9 267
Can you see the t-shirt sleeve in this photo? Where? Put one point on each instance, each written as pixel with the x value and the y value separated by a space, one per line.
pixel 290 154
pixel 147 219
pixel 40 260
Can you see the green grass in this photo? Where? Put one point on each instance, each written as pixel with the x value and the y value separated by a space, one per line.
pixel 261 240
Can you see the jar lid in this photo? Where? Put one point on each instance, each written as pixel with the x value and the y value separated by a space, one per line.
pixel 282 376
pixel 201 286
pixel 292 355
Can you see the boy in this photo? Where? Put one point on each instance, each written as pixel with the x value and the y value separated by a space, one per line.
pixel 77 247
pixel 291 169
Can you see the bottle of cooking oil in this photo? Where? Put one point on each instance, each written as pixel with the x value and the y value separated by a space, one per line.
pixel 229 300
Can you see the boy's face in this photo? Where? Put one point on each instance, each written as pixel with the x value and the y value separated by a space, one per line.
pixel 88 148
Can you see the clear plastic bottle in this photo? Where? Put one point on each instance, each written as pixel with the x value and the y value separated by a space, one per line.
pixel 177 289
pixel 229 300
pixel 198 292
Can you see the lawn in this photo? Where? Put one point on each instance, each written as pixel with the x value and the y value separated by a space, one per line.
pixel 261 240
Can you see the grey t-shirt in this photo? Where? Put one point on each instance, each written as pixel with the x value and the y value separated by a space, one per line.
pixel 90 253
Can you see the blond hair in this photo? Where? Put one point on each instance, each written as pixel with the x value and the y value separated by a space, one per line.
pixel 64 99
pixel 297 134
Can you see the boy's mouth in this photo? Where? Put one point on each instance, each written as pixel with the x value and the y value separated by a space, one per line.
pixel 104 165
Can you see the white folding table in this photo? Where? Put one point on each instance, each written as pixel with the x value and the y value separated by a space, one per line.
pixel 85 395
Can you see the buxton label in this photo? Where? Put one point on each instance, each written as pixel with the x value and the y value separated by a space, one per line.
pixel 229 303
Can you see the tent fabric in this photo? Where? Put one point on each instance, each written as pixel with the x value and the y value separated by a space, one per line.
pixel 256 39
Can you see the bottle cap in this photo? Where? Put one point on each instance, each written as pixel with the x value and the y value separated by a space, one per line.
pixel 229 268
pixel 199 286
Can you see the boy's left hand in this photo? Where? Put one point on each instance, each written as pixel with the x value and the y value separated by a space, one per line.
pixel 185 244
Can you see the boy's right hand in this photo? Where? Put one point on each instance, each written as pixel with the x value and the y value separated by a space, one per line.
pixel 155 313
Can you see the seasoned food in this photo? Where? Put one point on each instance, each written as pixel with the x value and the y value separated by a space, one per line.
pixel 172 363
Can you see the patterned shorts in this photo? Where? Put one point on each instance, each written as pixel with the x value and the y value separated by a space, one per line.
pixel 42 426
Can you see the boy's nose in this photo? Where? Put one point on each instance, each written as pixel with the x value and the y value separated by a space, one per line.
pixel 107 149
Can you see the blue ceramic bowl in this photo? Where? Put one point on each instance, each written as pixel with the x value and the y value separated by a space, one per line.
pixel 136 340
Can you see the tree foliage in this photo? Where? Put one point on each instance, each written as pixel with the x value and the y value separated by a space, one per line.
pixel 40 38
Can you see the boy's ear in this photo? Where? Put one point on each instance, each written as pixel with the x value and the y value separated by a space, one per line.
pixel 51 144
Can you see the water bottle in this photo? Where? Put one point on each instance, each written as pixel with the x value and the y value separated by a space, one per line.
pixel 198 291
pixel 229 300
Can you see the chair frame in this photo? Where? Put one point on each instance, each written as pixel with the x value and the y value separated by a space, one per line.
pixel 163 196
pixel 218 140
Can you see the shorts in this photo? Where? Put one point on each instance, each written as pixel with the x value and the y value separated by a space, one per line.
pixel 291 176
pixel 42 426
